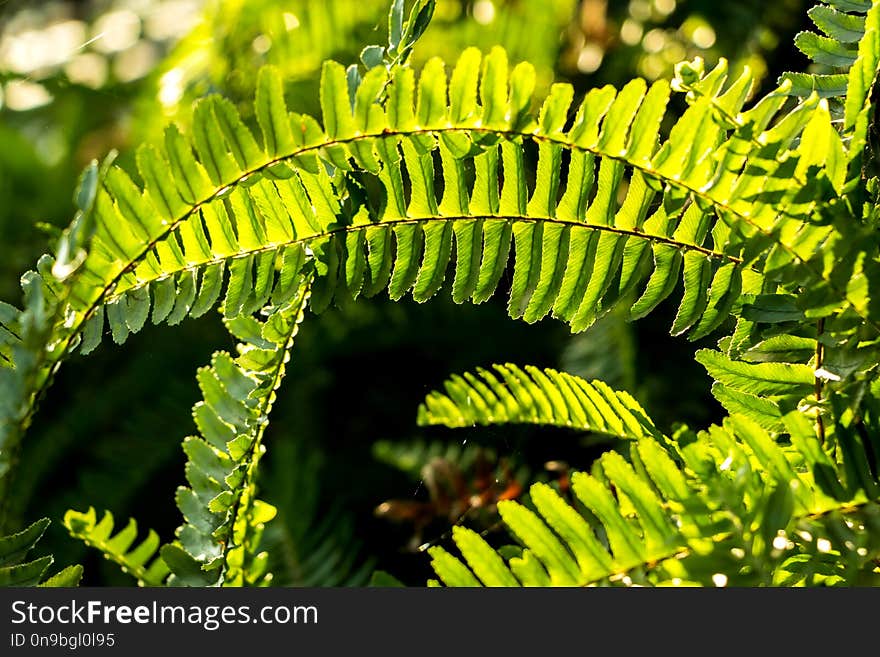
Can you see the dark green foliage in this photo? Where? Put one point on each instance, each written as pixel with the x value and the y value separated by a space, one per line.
pixel 307 544
pixel 16 570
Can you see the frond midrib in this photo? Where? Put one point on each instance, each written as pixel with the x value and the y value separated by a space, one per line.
pixel 411 220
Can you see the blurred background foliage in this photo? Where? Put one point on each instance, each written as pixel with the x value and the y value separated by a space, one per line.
pixel 358 485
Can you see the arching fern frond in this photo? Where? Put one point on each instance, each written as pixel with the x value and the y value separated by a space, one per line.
pixel 616 212
pixel 138 558
pixel 223 521
pixel 15 570
pixel 730 500
pixel 222 211
pixel 513 395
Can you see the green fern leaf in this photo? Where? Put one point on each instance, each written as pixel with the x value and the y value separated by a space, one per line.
pixel 15 570
pixel 482 559
pixel 763 379
pixel 832 85
pixel 450 570
pixel 277 209
pixel 535 396
pixel 139 559
pixel 674 513
pixel 839 25
pixel 223 521
pixel 844 23
pixel 824 50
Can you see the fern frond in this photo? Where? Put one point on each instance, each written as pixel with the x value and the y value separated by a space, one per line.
pixel 730 500
pixel 138 558
pixel 512 395
pixel 221 210
pixel 763 390
pixel 15 570
pixel 779 359
pixel 807 243
pixel 223 215
pixel 848 47
pixel 223 520
pixel 34 339
pixel 852 47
